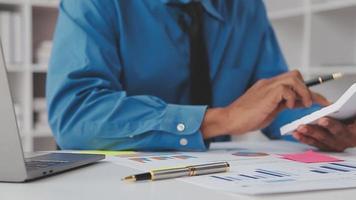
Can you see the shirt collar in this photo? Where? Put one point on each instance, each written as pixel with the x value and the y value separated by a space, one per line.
pixel 208 7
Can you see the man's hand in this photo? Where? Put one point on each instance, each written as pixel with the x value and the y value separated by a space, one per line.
pixel 260 105
pixel 328 134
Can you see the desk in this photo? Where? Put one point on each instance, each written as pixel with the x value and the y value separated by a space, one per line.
pixel 102 182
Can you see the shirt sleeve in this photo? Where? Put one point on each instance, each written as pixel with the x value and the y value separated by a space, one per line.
pixel 270 60
pixel 88 106
pixel 271 63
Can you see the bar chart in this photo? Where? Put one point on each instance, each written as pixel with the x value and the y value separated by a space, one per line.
pixel 269 174
pixel 334 168
pixel 281 177
pixel 265 175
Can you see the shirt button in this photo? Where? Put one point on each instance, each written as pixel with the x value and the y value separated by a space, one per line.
pixel 183 142
pixel 180 127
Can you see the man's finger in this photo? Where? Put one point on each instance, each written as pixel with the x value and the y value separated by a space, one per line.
pixel 290 98
pixel 322 136
pixel 351 121
pixel 318 98
pixel 302 91
pixel 335 127
pixel 316 133
pixel 310 141
pixel 295 81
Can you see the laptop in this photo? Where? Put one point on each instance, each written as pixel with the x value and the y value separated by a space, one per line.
pixel 14 167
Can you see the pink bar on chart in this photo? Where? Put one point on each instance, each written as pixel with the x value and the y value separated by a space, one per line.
pixel 310 157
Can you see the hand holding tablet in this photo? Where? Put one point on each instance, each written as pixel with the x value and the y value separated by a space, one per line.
pixel 344 108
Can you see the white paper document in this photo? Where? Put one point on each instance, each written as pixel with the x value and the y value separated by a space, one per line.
pixel 145 161
pixel 343 108
pixel 255 168
pixel 224 151
pixel 280 176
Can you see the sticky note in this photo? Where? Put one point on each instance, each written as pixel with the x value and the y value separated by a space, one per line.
pixel 310 157
pixel 108 153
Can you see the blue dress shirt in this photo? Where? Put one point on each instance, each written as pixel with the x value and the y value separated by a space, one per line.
pixel 119 71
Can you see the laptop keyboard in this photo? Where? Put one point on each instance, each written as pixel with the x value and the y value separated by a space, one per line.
pixel 36 164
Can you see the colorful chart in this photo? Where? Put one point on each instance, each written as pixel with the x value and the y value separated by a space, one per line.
pixel 161 158
pixel 258 174
pixel 108 153
pixel 278 175
pixel 140 160
pixel 144 154
pixel 249 154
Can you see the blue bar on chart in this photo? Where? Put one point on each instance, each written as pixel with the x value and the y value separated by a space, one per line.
pixel 233 178
pixel 334 168
pixel 222 178
pixel 272 173
pixel 319 171
pixel 258 174
pixel 238 177
pixel 349 166
pixel 247 176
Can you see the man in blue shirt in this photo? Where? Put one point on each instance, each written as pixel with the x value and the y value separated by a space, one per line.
pixel 120 76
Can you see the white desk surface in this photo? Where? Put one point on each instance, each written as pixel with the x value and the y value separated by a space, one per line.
pixel 101 181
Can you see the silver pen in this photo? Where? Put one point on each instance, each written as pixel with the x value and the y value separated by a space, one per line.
pixel 192 170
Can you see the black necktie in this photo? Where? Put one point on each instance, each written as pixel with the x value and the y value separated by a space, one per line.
pixel 200 86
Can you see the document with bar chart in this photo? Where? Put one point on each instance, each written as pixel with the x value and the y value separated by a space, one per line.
pixel 255 169
pixel 280 176
pixel 155 160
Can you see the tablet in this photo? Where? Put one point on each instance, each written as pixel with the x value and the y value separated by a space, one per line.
pixel 343 108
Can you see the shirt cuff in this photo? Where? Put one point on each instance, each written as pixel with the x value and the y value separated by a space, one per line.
pixel 183 122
